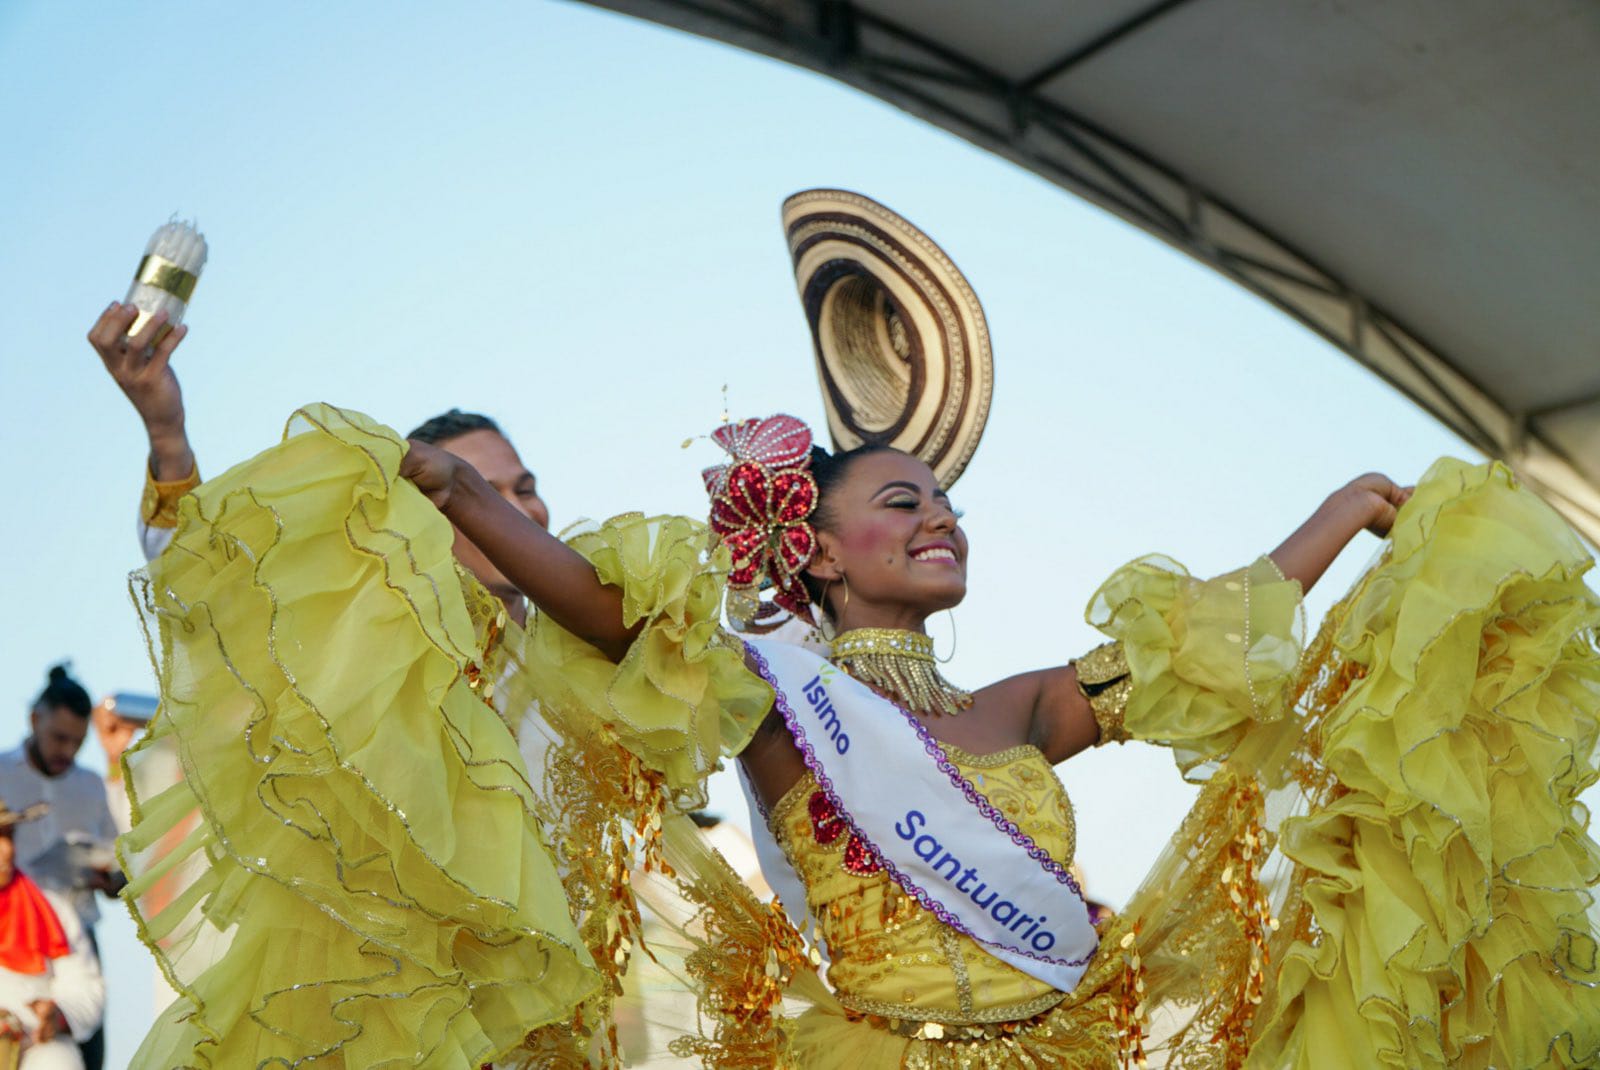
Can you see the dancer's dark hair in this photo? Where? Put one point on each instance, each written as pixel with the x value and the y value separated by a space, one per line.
pixel 829 470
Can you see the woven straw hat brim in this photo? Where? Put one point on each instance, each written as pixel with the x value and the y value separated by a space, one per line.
pixel 901 343
pixel 10 818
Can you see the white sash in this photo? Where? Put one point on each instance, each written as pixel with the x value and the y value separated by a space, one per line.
pixel 929 827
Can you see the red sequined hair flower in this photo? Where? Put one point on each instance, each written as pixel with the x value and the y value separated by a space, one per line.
pixel 761 506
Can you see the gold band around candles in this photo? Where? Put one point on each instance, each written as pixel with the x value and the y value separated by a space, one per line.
pixel 134 328
pixel 163 274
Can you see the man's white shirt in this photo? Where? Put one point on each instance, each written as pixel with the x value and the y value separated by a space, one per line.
pixel 78 807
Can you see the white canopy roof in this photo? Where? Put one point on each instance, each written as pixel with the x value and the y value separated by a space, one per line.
pixel 1419 183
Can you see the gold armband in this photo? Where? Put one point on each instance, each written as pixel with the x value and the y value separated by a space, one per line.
pixel 1104 680
pixel 159 505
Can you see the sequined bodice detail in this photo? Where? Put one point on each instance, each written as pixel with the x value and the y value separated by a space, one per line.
pixel 890 957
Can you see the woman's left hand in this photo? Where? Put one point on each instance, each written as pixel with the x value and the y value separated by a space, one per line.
pixel 1381 496
pixel 433 470
pixel 1370 501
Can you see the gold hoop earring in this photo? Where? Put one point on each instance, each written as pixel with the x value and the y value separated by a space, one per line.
pixel 947 658
pixel 825 626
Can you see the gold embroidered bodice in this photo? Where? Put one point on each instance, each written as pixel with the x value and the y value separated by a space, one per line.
pixel 889 956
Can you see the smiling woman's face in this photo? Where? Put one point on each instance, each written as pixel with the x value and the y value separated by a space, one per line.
pixel 888 531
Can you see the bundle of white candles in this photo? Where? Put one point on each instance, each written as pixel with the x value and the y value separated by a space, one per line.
pixel 167 275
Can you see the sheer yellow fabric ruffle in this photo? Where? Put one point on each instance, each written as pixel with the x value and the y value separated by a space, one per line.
pixel 681 697
pixel 1215 667
pixel 349 872
pixel 1210 659
pixel 1444 913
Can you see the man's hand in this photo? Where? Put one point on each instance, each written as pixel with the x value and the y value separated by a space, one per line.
pixel 52 1023
pixel 140 365
pixel 108 881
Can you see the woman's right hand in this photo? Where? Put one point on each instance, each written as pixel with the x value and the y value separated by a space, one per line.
pixel 433 470
pixel 141 366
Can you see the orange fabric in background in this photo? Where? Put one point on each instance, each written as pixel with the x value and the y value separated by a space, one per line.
pixel 30 932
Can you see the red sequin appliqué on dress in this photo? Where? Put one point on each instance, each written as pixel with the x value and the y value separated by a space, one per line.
pixel 827 825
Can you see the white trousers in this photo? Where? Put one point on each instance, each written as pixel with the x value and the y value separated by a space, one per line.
pixel 58 1054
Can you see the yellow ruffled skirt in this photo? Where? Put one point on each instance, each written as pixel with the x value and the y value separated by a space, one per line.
pixel 1442 910
pixel 337 855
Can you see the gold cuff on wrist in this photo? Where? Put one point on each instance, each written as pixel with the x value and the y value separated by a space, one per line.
pixel 159 505
pixel 1104 680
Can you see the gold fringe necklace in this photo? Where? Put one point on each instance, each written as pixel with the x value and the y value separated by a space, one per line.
pixel 901 665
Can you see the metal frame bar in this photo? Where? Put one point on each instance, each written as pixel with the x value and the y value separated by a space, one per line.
pixel 1100 43
pixel 1579 402
pixel 846 42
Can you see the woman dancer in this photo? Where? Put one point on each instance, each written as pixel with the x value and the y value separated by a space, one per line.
pixel 1436 737
pixel 1431 925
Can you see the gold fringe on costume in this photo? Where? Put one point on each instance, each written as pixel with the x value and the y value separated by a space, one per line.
pixel 618 752
pixel 901 665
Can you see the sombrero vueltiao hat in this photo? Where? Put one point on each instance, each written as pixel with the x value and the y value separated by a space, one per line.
pixel 901 343
pixel 10 818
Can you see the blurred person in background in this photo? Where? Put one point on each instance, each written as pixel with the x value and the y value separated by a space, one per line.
pixel 68 850
pixel 51 990
pixel 117 719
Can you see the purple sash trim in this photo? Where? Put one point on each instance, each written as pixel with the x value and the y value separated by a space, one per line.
pixel 973 795
pixel 988 809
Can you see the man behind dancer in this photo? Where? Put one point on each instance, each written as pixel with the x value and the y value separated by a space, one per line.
pixel 141 366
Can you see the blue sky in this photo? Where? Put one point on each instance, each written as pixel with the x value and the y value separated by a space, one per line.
pixel 569 220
